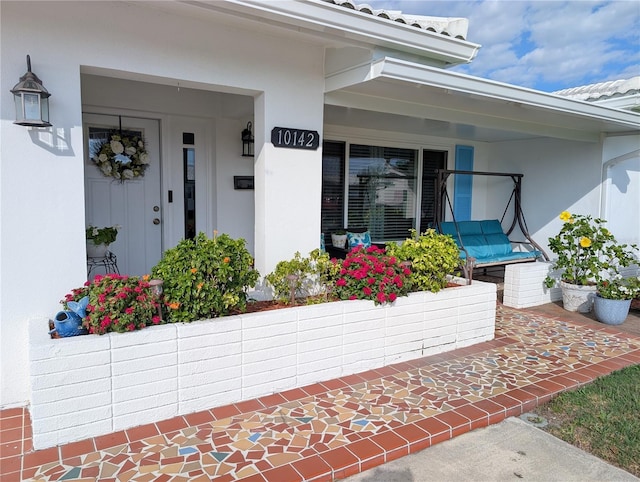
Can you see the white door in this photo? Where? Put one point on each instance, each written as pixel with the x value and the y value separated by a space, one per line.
pixel 134 204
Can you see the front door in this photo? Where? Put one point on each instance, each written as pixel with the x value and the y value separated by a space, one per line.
pixel 134 204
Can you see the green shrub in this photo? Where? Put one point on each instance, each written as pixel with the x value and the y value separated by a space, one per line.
pixel 302 277
pixel 433 256
pixel 205 278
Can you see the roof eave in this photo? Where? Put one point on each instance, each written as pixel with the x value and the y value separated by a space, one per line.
pixel 338 24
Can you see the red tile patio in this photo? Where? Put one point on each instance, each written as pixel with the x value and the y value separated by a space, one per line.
pixel 330 430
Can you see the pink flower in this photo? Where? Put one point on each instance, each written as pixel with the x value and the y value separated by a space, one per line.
pixel 131 327
pixel 406 271
pixel 341 282
pixel 353 297
pixel 392 297
pixel 366 290
pixel 381 297
pixel 129 310
pixel 156 319
pixel 371 280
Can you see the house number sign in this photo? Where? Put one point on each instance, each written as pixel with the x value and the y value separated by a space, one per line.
pixel 295 138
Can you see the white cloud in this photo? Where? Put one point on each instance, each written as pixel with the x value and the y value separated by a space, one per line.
pixel 547 45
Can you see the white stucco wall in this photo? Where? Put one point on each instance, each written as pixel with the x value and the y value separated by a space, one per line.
pixel 42 199
pixel 621 187
pixel 558 175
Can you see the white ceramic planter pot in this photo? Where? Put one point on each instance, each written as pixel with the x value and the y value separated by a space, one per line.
pixel 577 297
pixel 96 250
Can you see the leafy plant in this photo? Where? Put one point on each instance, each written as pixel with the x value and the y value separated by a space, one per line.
pixel 205 278
pixel 118 303
pixel 302 277
pixel 586 250
pixel 619 288
pixel 432 256
pixel 371 274
pixel 106 235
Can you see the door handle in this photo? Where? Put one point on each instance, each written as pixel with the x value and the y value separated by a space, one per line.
pixel 156 221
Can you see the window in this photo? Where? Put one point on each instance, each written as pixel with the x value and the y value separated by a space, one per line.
pixel 333 165
pixel 382 190
pixel 189 170
pixel 431 160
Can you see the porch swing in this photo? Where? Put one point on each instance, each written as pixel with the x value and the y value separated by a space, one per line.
pixel 484 243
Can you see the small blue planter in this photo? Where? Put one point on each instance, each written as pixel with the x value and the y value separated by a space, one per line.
pixel 611 312
pixel 69 322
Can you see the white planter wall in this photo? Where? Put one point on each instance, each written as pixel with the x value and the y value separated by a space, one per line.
pixel 87 386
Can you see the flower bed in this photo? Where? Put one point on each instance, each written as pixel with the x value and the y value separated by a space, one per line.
pixel 93 385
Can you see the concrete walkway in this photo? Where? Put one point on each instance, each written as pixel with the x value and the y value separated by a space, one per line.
pixel 509 451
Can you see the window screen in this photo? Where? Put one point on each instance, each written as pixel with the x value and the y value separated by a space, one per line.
pixel 382 190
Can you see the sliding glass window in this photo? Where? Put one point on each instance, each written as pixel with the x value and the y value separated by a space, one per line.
pixel 382 190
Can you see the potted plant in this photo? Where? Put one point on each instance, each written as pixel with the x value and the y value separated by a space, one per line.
pixel 585 251
pixel 99 239
pixel 613 299
pixel 339 238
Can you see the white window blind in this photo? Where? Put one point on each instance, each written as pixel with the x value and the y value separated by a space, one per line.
pixel 382 190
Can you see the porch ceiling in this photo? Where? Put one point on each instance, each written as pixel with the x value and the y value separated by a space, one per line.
pixel 460 106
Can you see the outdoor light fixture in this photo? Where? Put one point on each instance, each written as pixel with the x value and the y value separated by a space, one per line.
pixel 31 100
pixel 247 141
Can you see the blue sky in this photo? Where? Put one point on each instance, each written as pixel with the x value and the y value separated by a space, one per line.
pixel 545 45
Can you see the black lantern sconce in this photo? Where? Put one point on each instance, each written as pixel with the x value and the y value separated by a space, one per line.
pixel 247 141
pixel 31 100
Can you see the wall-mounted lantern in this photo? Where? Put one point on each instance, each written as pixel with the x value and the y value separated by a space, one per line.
pixel 31 100
pixel 247 141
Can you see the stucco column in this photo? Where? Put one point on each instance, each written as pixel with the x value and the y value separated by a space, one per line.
pixel 288 182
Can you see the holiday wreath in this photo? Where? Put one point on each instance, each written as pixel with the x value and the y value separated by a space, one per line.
pixel 121 156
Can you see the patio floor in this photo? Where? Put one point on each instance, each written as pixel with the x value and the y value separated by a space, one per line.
pixel 337 428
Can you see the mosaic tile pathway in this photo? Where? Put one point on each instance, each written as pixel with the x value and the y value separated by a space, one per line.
pixel 334 429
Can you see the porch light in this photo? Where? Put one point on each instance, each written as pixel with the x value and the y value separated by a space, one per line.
pixel 31 100
pixel 247 141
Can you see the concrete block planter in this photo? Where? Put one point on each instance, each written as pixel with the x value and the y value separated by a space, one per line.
pixel 87 386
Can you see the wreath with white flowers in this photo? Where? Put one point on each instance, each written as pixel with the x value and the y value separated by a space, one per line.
pixel 122 156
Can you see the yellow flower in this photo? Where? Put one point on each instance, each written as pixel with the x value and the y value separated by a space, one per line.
pixel 226 259
pixel 565 216
pixel 585 242
pixel 193 270
pixel 200 285
pixel 146 277
pixel 174 306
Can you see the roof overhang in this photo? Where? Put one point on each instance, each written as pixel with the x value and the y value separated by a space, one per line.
pixel 336 26
pixel 394 86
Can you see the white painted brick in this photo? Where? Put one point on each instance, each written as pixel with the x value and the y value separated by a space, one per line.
pixel 361 359
pixel 65 363
pixel 145 352
pixel 438 346
pixel 151 414
pixel 167 374
pixel 321 311
pixel 218 399
pixel 209 371
pixel 268 368
pixel 269 382
pixel 71 377
pixel 392 358
pixel 144 394
pixel 214 326
pixel 71 434
pixel 200 386
pixel 63 392
pixel 209 352
pixel 148 336
pixel 438 340
pixel 315 377
pixel 137 365
pixel 269 348
pixel 75 405
pixel 271 323
pixel 86 418
pixel 330 335
pixel 320 359
pixel 443 318
pixel 48 348
pixel 210 341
